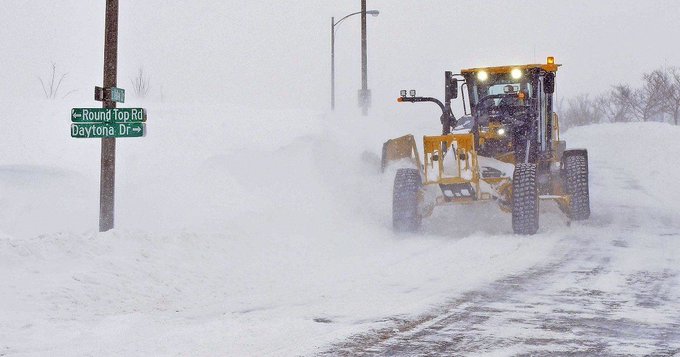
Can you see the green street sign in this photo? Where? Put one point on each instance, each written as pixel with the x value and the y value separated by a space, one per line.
pixel 108 115
pixel 99 130
pixel 112 94
pixel 118 95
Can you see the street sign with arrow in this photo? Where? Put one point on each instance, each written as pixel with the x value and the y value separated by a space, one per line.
pixel 108 115
pixel 117 130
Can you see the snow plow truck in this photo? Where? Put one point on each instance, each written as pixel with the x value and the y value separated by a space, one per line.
pixel 506 148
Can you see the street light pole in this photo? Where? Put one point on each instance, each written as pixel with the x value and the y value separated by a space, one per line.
pixel 333 26
pixel 364 80
pixel 332 63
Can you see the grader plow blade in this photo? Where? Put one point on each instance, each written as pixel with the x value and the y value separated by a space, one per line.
pixel 399 149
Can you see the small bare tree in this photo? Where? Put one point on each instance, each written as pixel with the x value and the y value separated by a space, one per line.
pixel 53 84
pixel 581 110
pixel 657 98
pixel 672 104
pixel 615 106
pixel 141 84
pixel 648 101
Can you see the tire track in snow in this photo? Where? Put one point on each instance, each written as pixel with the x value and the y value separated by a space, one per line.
pixel 396 339
pixel 590 300
pixel 556 308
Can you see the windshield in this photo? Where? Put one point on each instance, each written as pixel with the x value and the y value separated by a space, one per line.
pixel 498 84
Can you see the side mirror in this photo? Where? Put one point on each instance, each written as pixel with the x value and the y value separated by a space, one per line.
pixel 549 83
pixel 450 87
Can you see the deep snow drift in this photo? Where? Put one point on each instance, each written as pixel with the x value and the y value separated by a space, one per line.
pixel 243 232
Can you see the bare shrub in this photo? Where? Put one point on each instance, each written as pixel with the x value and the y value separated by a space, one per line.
pixel 617 105
pixel 53 83
pixel 141 84
pixel 658 97
pixel 581 110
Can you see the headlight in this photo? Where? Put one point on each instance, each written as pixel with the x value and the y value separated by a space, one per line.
pixel 482 76
pixel 501 131
pixel 516 73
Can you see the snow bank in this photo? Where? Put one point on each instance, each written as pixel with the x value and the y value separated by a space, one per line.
pixel 641 156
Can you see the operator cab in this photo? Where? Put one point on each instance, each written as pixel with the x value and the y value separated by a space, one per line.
pixel 512 110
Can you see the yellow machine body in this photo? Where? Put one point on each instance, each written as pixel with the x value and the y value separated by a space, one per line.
pixel 451 161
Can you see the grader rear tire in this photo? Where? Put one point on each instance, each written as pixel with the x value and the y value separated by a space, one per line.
pixel 524 199
pixel 576 180
pixel 406 215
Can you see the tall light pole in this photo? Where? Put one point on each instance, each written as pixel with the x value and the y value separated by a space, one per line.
pixel 364 95
pixel 333 26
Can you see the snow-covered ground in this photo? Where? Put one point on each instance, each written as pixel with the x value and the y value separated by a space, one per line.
pixel 610 287
pixel 245 228
pixel 238 232
pixel 244 232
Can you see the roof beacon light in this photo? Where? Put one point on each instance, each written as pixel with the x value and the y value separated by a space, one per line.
pixel 482 76
pixel 551 60
pixel 516 73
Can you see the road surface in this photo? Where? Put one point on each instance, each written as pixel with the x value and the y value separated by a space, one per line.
pixel 611 289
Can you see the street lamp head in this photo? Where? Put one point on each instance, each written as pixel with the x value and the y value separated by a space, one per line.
pixel 373 12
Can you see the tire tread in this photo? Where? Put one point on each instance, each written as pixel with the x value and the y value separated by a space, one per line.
pixel 576 171
pixel 406 216
pixel 524 199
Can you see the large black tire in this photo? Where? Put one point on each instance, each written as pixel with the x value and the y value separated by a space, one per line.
pixel 406 215
pixel 524 199
pixel 576 181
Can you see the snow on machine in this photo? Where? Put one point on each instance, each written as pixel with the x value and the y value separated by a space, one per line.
pixel 507 149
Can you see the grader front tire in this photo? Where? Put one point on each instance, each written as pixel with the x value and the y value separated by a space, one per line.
pixel 524 199
pixel 576 180
pixel 406 215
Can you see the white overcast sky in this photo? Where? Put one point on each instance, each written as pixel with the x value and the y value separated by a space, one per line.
pixel 276 53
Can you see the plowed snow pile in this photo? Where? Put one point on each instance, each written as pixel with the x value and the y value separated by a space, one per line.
pixel 253 233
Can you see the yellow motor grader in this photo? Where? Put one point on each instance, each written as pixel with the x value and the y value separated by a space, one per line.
pixel 507 149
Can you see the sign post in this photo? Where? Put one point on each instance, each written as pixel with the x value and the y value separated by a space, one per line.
pixel 108 148
pixel 108 122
